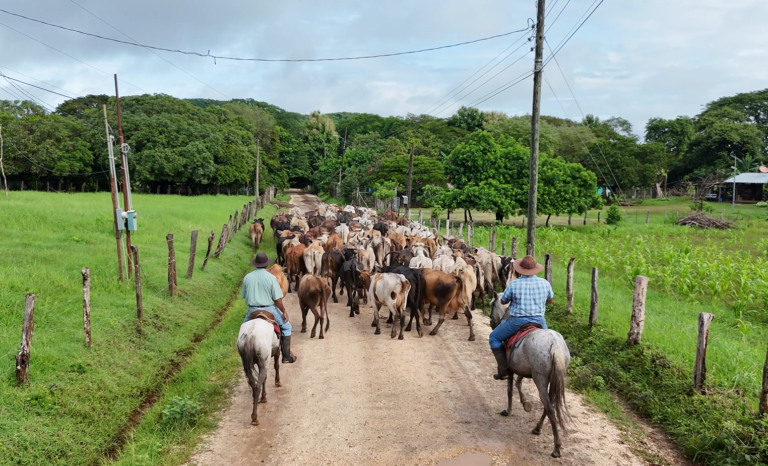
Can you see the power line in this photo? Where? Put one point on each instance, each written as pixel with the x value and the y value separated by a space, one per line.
pixel 223 57
pixel 451 92
pixel 487 80
pixel 565 41
pixel 37 87
pixel 151 51
pixel 577 134
pixel 503 88
pixel 35 79
pixel 582 116
pixel 29 95
pixel 70 56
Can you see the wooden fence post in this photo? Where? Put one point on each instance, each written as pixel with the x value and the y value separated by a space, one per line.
pixel 764 393
pixel 585 217
pixel 420 218
pixel 595 303
pixel 598 217
pixel 22 358
pixel 137 276
pixel 569 287
pixel 637 322
pixel 548 268
pixel 447 227
pixel 647 217
pixel 569 219
pixel 503 248
pixel 222 242
pixel 236 220
pixel 229 230
pixel 192 253
pixel 87 305
pixel 211 237
pixel 172 289
pixel 513 248
pixel 700 367
pixel 461 231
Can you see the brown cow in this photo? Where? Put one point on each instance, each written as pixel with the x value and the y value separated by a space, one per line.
pixel 313 295
pixel 334 242
pixel 256 230
pixel 398 240
pixel 294 258
pixel 363 283
pixel 282 280
pixel 438 291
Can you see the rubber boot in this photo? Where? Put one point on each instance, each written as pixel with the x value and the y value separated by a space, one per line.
pixel 285 348
pixel 501 361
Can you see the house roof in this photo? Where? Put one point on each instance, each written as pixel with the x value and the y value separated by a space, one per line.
pixel 749 178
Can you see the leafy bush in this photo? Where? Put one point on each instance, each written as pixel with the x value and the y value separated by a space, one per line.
pixel 762 204
pixel 181 412
pixel 614 215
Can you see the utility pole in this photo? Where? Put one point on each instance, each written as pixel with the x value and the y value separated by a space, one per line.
pixel 733 196
pixel 5 181
pixel 113 190
pixel 258 165
pixel 343 151
pixel 533 179
pixel 410 182
pixel 126 181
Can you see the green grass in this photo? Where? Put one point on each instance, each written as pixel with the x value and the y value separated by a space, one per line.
pixel 205 380
pixel 328 199
pixel 79 401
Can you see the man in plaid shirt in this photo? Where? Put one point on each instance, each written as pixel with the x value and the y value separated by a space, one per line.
pixel 527 297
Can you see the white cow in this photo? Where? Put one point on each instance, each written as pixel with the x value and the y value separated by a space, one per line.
pixel 390 289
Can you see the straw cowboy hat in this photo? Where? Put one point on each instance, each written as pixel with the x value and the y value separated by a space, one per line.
pixel 527 266
pixel 261 261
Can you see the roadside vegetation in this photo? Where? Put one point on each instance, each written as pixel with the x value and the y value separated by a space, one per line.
pixel 81 404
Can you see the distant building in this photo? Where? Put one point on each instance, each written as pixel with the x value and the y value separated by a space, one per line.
pixel 750 188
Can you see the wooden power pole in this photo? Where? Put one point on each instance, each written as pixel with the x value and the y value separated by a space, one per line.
pixel 113 190
pixel 258 165
pixel 126 183
pixel 410 183
pixel 533 179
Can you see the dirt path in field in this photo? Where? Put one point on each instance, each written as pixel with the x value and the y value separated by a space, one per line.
pixel 357 398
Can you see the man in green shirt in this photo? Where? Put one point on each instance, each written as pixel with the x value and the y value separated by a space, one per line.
pixel 262 292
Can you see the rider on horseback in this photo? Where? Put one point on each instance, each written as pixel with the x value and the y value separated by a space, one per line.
pixel 527 297
pixel 262 292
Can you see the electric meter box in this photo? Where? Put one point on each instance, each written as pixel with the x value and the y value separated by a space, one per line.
pixel 119 218
pixel 405 200
pixel 131 220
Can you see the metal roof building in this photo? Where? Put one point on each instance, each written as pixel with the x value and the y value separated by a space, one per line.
pixel 748 178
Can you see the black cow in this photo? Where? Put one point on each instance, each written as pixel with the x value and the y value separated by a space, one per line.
pixel 344 217
pixel 382 227
pixel 331 268
pixel 414 296
pixel 350 275
pixel 400 257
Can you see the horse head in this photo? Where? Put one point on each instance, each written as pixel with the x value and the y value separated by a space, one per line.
pixel 499 312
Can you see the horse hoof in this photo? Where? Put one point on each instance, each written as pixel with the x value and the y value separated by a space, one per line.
pixel 556 453
pixel 303 330
pixel 377 332
pixel 536 431
pixel 528 406
pixel 504 413
pixel 322 337
pixel 400 337
pixel 278 384
pixel 312 336
pixel 472 338
pixel 263 401
pixel 433 333
pixel 254 423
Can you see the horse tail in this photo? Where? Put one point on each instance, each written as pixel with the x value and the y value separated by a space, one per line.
pixel 557 386
pixel 249 355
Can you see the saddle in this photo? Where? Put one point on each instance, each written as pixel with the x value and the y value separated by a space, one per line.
pixel 265 315
pixel 514 340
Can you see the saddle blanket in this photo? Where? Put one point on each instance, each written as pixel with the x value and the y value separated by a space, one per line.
pixel 265 315
pixel 516 338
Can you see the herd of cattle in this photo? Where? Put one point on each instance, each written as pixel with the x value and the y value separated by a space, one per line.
pixel 386 261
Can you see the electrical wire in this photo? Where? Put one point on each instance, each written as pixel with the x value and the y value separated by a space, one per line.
pixel 485 82
pixel 451 92
pixel 70 56
pixel 577 134
pixel 34 79
pixel 152 51
pixel 565 41
pixel 223 57
pixel 582 116
pixel 502 88
pixel 29 95
pixel 37 87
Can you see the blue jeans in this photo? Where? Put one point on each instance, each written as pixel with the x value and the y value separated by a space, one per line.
pixel 285 327
pixel 510 326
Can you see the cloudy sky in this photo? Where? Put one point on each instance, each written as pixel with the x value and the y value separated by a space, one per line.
pixel 637 59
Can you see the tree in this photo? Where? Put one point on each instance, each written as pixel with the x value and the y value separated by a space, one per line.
pixel 467 118
pixel 426 171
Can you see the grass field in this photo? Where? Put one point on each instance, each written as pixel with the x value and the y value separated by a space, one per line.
pixel 82 403
pixel 724 273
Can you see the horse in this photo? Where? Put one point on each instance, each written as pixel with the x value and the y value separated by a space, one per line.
pixel 256 343
pixel 543 356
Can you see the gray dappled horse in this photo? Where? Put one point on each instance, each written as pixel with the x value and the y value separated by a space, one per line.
pixel 256 343
pixel 543 356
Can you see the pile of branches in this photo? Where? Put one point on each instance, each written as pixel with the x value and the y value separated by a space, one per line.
pixel 699 220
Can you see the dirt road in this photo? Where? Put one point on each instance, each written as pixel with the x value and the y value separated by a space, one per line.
pixel 357 398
